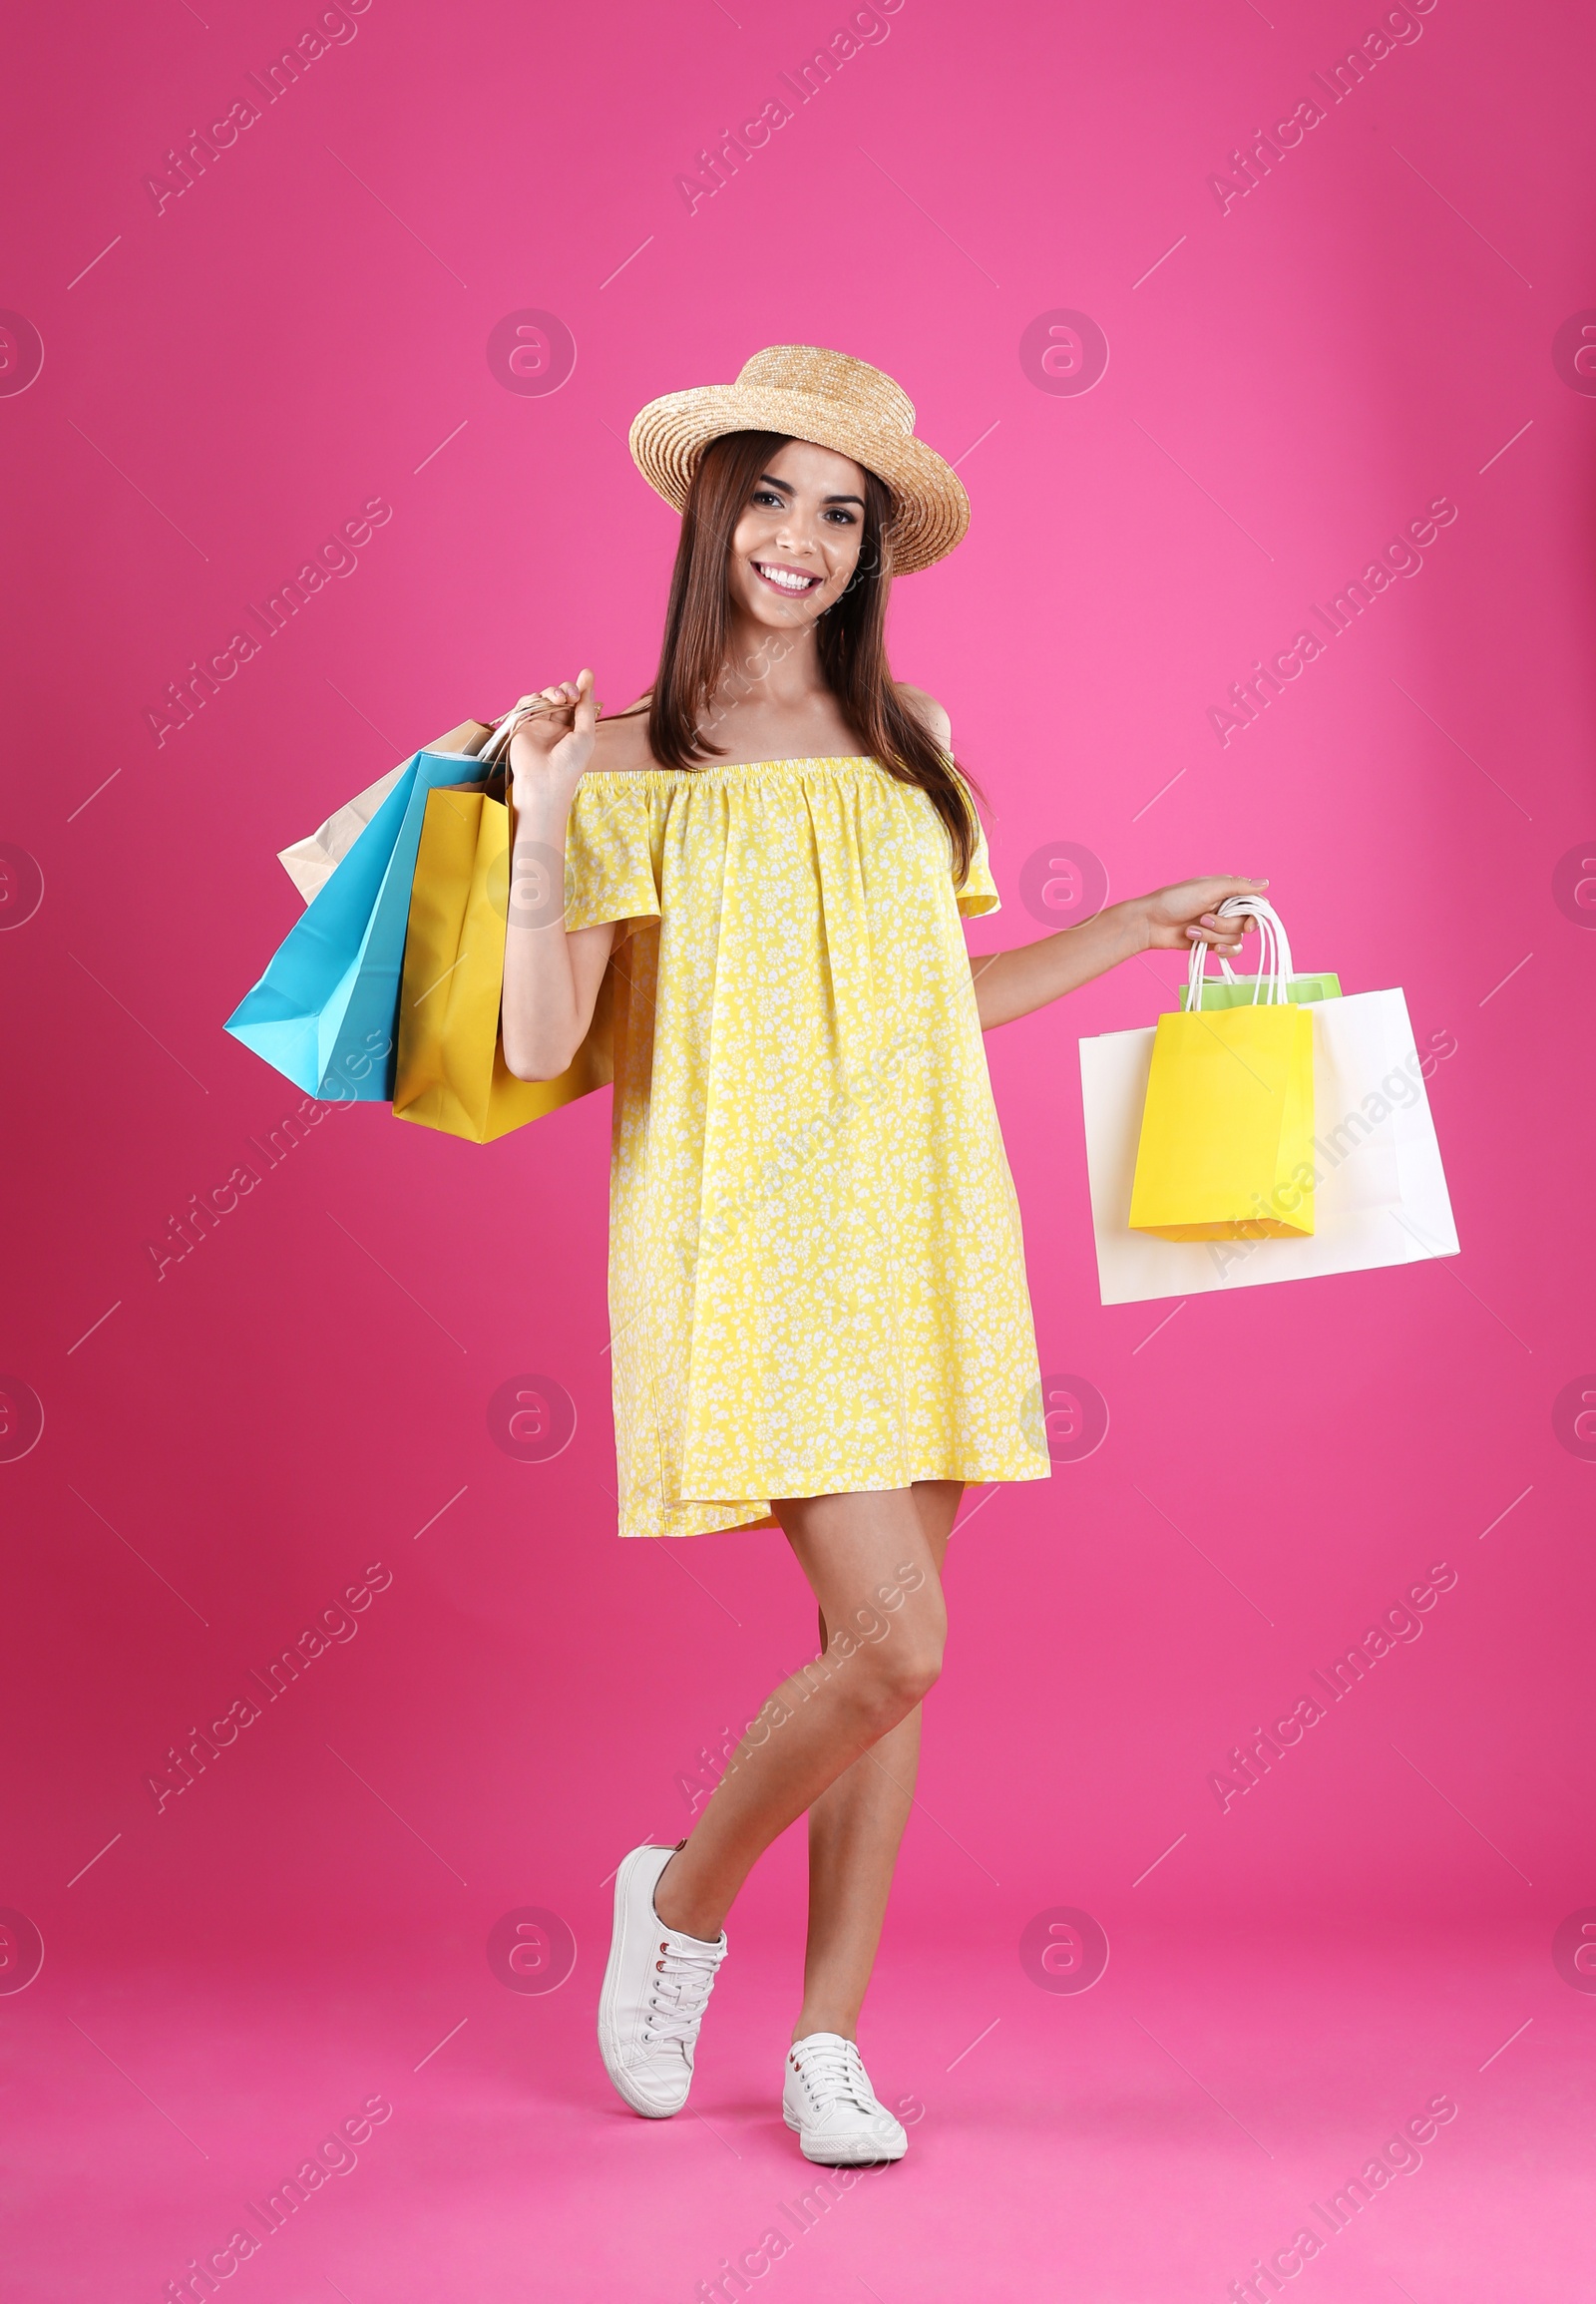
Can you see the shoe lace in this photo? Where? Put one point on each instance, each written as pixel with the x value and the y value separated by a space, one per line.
pixel 837 2070
pixel 684 1974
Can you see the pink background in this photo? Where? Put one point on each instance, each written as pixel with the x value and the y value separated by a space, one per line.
pixel 303 329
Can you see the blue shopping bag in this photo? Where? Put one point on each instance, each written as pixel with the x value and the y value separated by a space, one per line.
pixel 326 1012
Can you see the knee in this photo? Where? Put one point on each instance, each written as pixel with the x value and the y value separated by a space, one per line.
pixel 894 1676
pixel 913 1673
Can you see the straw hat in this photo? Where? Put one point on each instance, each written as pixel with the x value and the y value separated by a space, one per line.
pixel 831 399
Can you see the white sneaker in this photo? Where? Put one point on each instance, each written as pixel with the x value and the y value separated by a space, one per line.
pixel 656 1988
pixel 828 2098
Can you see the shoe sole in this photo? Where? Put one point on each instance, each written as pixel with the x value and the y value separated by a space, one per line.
pixel 608 2045
pixel 867 2159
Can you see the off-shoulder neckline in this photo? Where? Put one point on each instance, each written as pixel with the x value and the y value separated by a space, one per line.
pixel 721 767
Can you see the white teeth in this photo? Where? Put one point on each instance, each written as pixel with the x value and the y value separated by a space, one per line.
pixel 790 579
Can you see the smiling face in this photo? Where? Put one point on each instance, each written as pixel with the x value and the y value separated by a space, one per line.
pixel 798 539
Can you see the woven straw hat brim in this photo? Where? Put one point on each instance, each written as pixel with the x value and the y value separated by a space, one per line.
pixel 933 511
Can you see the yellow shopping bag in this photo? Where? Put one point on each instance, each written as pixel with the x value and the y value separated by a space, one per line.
pixel 451 1072
pixel 1226 1146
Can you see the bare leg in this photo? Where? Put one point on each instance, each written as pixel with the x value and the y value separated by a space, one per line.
pixel 854 1827
pixel 873 1570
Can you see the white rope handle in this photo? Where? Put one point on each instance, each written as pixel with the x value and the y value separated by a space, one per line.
pixel 503 730
pixel 1197 966
pixel 1274 960
pixel 530 709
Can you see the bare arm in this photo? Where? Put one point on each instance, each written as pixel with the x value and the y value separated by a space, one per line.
pixel 552 973
pixel 1013 983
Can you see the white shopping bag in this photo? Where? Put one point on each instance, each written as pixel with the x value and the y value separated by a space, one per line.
pixel 1380 1194
pixel 311 862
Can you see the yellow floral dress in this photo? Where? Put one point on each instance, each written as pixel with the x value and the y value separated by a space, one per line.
pixel 816 1271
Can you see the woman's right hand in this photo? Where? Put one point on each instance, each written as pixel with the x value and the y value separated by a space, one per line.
pixel 550 750
pixel 552 974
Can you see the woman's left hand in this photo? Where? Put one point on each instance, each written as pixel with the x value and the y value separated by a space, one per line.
pixel 1174 919
pixel 1013 983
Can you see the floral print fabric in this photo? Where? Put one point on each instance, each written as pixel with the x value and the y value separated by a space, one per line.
pixel 816 1271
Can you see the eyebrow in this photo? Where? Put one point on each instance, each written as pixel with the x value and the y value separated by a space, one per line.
pixel 769 480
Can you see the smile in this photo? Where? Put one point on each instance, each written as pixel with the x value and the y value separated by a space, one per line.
pixel 786 580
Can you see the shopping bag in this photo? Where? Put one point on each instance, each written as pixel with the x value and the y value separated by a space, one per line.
pixel 451 1071
pixel 324 1013
pixel 311 862
pixel 1380 1189
pixel 1228 1119
pixel 1234 991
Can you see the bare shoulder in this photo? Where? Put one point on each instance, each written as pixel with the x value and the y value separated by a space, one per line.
pixel 927 709
pixel 620 745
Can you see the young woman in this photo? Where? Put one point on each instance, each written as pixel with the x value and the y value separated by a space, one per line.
pixel 817 1289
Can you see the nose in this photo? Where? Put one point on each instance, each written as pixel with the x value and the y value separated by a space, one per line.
pixel 796 533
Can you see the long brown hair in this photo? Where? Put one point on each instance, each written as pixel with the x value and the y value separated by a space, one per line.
pixel 851 638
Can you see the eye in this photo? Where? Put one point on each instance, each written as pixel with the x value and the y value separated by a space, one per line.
pixel 841 513
pixel 767 496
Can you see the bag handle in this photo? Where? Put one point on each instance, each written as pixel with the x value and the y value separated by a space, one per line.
pixel 1274 960
pixel 531 709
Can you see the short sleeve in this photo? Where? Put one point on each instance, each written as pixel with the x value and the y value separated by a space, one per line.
pixel 609 873
pixel 978 891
